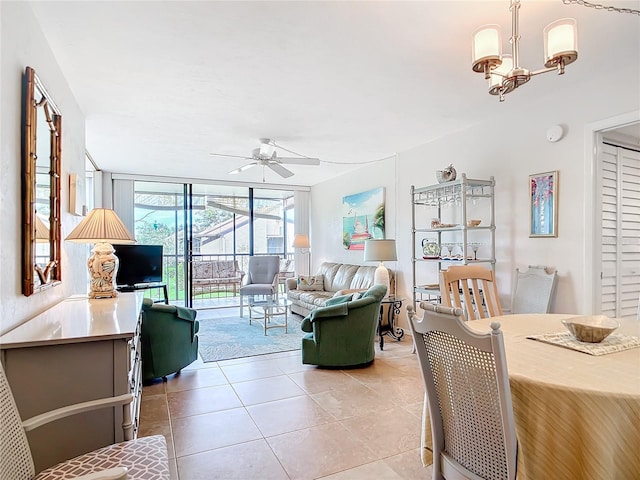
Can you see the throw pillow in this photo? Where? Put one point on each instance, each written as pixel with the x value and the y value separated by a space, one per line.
pixel 310 282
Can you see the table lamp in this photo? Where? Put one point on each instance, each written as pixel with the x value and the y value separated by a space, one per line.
pixel 103 227
pixel 300 240
pixel 380 251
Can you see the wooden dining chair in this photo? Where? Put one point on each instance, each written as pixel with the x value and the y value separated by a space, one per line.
pixel 467 387
pixel 472 288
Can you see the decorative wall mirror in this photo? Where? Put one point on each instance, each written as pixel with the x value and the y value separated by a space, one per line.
pixel 41 148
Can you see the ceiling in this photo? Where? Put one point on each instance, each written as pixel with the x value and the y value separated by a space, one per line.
pixel 163 84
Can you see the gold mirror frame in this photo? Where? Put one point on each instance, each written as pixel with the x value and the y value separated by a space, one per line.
pixel 41 266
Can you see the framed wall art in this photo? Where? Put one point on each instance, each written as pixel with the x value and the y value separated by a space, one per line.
pixel 362 218
pixel 543 197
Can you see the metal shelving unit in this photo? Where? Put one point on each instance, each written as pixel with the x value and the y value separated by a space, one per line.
pixel 456 202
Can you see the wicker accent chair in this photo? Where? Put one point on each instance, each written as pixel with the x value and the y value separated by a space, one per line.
pixel 533 290
pixel 478 288
pixel 467 390
pixel 144 459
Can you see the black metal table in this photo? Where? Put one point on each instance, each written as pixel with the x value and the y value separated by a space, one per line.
pixel 147 286
pixel 392 306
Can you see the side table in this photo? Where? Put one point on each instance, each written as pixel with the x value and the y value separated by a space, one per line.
pixel 393 308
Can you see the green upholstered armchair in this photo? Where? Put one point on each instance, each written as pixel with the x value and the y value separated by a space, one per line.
pixel 342 333
pixel 169 340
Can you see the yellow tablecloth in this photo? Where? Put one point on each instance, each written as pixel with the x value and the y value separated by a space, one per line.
pixel 577 415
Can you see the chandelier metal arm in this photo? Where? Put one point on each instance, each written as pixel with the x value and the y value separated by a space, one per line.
pixel 558 68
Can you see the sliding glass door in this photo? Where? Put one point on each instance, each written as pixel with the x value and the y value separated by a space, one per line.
pixel 208 233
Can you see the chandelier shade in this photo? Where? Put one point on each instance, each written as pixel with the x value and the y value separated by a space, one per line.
pixel 560 42
pixel 487 48
pixel 499 73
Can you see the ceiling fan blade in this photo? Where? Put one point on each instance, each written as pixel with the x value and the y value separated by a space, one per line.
pixel 227 155
pixel 298 160
pixel 243 168
pixel 280 170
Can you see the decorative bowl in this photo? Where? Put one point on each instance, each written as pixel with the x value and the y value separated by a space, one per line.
pixel 591 329
pixel 473 223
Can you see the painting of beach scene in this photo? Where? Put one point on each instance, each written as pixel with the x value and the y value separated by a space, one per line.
pixel 362 218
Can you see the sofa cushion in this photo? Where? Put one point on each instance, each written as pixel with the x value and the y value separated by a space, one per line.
pixel 343 277
pixel 363 278
pixel 315 298
pixel 310 282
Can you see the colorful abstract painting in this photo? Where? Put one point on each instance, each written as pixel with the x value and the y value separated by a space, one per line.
pixel 362 218
pixel 544 204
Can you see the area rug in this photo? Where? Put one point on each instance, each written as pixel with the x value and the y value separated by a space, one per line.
pixel 232 337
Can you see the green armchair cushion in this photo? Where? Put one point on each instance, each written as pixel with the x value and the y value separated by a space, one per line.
pixel 169 339
pixel 342 334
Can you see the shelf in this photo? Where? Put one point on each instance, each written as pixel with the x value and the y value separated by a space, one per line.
pixel 454 229
pixel 454 202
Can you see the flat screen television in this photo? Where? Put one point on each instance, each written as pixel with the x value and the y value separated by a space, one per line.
pixel 139 264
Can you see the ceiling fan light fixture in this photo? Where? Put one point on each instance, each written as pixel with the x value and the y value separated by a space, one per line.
pixel 266 149
pixel 505 73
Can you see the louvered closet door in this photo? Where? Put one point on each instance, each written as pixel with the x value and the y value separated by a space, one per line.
pixel 620 177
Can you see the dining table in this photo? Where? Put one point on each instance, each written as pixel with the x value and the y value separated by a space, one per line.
pixel 577 414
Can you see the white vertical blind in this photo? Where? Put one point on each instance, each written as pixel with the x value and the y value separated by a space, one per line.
pixel 620 173
pixel 123 196
pixel 301 226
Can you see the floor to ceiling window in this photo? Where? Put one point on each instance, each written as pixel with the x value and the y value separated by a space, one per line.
pixel 208 233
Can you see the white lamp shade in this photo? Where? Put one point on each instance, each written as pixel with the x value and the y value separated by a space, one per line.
pixel 301 241
pixel 102 225
pixel 486 46
pixel 560 41
pixel 380 250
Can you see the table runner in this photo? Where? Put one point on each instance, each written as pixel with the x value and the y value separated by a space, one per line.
pixel 616 342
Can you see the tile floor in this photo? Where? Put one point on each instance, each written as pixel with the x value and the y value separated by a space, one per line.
pixel 270 417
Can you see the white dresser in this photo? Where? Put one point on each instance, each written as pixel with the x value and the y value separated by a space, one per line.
pixel 78 350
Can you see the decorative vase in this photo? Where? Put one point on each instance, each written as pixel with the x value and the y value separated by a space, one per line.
pixel 447 175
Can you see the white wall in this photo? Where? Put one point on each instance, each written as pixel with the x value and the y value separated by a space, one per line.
pixel 510 146
pixel 326 212
pixel 23 44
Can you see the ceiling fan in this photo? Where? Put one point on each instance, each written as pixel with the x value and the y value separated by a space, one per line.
pixel 266 156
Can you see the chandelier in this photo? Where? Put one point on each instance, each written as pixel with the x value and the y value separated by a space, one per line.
pixel 504 71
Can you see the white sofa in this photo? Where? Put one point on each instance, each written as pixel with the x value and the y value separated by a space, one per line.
pixel 338 279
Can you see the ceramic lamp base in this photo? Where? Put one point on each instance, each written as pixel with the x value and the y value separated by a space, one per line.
pixel 103 265
pixel 381 277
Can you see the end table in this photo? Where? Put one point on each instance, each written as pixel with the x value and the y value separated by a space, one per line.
pixel 394 304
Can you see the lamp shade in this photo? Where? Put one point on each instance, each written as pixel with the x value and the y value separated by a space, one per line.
pixel 560 41
pixel 102 225
pixel 380 250
pixel 486 47
pixel 301 240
